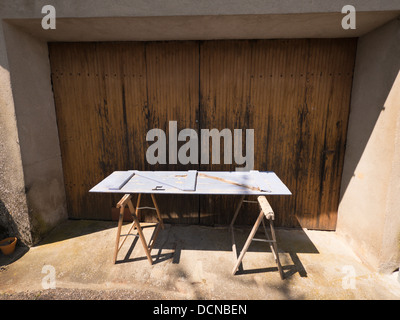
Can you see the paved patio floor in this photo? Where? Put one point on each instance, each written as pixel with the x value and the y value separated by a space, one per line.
pixel 191 262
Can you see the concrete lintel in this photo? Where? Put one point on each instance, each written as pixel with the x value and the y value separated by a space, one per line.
pixel 22 9
pixel 314 25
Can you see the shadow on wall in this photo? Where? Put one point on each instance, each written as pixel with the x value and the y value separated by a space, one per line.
pixel 8 228
pixel 374 75
pixel 372 112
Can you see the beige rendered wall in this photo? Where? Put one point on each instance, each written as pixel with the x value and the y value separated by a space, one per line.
pixel 42 186
pixel 369 210
pixel 14 217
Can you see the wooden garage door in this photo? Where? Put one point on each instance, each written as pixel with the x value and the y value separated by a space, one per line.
pixel 295 94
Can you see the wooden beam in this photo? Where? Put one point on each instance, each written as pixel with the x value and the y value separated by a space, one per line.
pixel 266 207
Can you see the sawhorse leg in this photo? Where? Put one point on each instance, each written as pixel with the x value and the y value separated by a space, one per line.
pixel 266 212
pixel 126 201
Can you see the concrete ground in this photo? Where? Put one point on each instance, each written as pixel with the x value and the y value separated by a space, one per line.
pixel 191 262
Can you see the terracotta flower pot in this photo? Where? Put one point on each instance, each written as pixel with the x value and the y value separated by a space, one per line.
pixel 7 245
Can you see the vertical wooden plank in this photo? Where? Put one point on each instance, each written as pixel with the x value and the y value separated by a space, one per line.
pixel 172 94
pixel 108 96
pixel 335 133
pixel 312 128
pixel 224 104
pixel 87 116
pixel 318 179
pixel 281 75
pixel 295 94
pixel 133 91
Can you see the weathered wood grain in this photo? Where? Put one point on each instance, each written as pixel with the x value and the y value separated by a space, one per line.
pixel 295 94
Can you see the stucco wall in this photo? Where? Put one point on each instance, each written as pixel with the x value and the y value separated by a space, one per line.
pixel 14 217
pixel 37 130
pixel 369 210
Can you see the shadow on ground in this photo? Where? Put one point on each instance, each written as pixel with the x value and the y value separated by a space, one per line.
pixel 173 240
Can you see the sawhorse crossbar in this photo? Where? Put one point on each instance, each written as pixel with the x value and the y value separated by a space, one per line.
pixel 267 213
pixel 127 201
